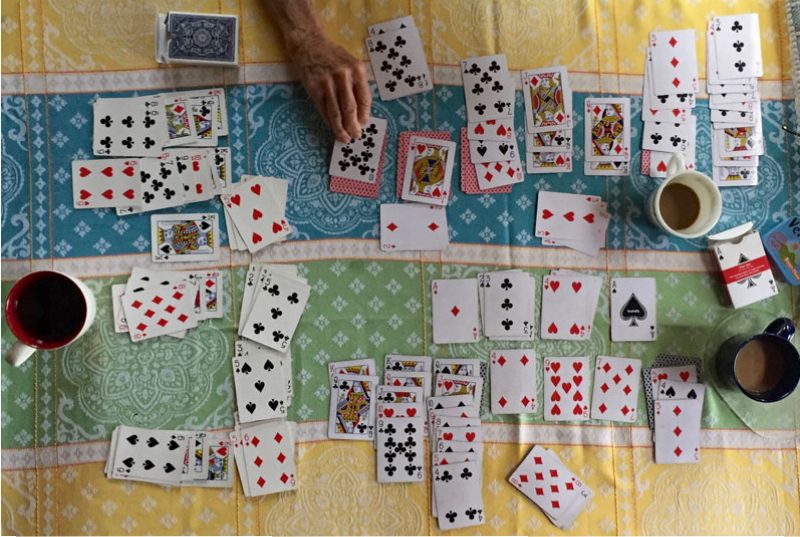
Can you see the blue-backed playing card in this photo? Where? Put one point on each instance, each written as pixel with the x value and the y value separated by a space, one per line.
pixel 203 38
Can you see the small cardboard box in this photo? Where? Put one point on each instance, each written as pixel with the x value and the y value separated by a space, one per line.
pixel 783 246
pixel 743 265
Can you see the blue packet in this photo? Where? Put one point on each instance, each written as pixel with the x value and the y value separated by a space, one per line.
pixel 782 243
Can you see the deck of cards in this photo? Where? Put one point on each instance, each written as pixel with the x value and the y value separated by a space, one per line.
pixel 558 492
pixel 668 98
pixel 398 59
pixel 273 301
pixel 576 221
pixel 256 206
pixel 733 50
pixel 164 457
pixel 607 136
pixel 548 120
pixel 197 38
pixel 158 303
pixel 493 156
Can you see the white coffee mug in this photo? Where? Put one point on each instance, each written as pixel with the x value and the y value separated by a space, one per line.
pixel 708 196
pixel 47 310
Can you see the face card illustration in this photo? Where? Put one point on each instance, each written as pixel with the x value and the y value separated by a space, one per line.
pixel 352 409
pixel 566 389
pixel 455 311
pixel 513 378
pixel 402 362
pixel 608 133
pixel 677 431
pixel 633 309
pixel 181 128
pixel 398 63
pixel 400 450
pixel 203 111
pixel 548 100
pixel 394 394
pixel 129 127
pixel 120 323
pixel 429 170
pixel 365 366
pixel 105 183
pixel 446 384
pixel 551 141
pixel 616 388
pixel 358 159
pixel 420 379
pixel 488 88
pixel 550 162
pixel 184 237
pixel 160 310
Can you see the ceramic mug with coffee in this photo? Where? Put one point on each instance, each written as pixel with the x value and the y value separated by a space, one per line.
pixel 765 366
pixel 687 204
pixel 47 310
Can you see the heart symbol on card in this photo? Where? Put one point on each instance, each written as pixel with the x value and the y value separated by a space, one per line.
pixel 574 330
pixel 578 410
pixel 556 411
pixel 555 397
pixel 578 396
pixel 85 194
pixel 570 216
pixel 589 218
pixel 555 366
pixel 478 129
pixel 108 171
pixel 576 286
pixel 447 436
pixel 566 386
pixel 276 227
pixel 577 366
pixel 128 171
pixel 108 194
pixel 411 412
pixel 437 192
pixel 448 385
pixel 420 148
pixel 236 199
pixel 257 214
pixel 661 166
pixel 257 238
pixel 196 166
pixel 555 379
pixel 388 412
pixel 684 376
pixel 130 194
pixel 198 188
pixel 256 189
pixel 501 131
pixel 577 379
pixel 546 214
pixel 552 329
pixel 470 437
pixel 85 171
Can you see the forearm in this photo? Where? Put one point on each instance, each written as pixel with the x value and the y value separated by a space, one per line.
pixel 297 21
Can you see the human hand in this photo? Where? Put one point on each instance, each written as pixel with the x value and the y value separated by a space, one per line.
pixel 336 82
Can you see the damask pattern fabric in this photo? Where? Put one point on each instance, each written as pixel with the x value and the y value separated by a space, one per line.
pixel 59 408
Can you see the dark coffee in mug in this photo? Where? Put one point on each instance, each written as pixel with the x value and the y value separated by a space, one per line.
pixel 759 365
pixel 679 206
pixel 50 309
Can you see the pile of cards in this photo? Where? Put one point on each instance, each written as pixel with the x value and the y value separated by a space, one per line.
pixel 733 50
pixel 265 457
pixel 677 399
pixel 607 140
pixel 145 126
pixel 162 303
pixel 356 167
pixel 576 221
pixel 353 399
pixel 273 301
pixel 559 493
pixel 457 460
pixel 489 91
pixel 256 206
pixel 507 301
pixel 548 120
pixel 569 302
pixel 136 185
pixel 667 367
pixel 412 226
pixel 185 458
pixel 197 38
pixel 398 59
pixel 263 380
pixel 670 86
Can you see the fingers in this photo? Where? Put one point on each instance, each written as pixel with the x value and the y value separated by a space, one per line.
pixel 362 94
pixel 332 111
pixel 347 103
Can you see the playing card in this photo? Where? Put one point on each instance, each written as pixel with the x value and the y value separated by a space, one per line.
pixel 276 311
pixel 566 389
pixel 365 366
pixel 447 384
pixel 420 379
pixel 608 131
pixel 673 62
pixel 160 310
pixel 391 25
pixel 493 150
pixel 343 185
pixel 149 455
pixel 358 159
pixel 738 46
pixel 677 373
pixel 677 431
pixel 428 170
pixel 469 173
pixel 403 362
pixel 210 294
pixel 548 99
pixel 570 216
pixel 735 176
pixel 552 141
pixel 120 323
pixel 268 450
pixel 491 129
pixel 398 63
pixel 458 489
pixel 494 175
pixel 466 367
pixel 548 162
pixel 670 137
pixel 606 168
pixel 129 127
pixel 633 309
pixel 184 237
pixel 105 183
pixel 488 88
pixel 220 119
pixel 201 38
pixel 400 450
pixel 455 311
pixel 257 208
pixel 616 388
pixel 394 394
pixel 738 141
pixel 181 129
pixel 670 389
pixel 204 110
pixel 411 226
pixel 195 171
pixel 352 411
pixel 513 378
pixel 403 149
pixel 508 304
pixel 160 186
pixel 260 386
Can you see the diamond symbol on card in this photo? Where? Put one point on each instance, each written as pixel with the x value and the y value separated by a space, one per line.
pixel 455 311
pixel 556 504
pixel 674 62
pixel 604 387
pixel 255 441
pixel 625 410
pixel 539 491
pixel 525 401
pixel 553 473
pixel 502 401
pixel 602 408
pixel 537 460
pixel 178 295
pixel 524 360
pixel 281 457
pixel 149 313
pixel 606 368
pixel 629 369
pixel 677 431
pixel 136 304
pixel 616 379
pixel 676 82
pixel 678 451
pixel 488 176
pixel 169 309
pixel 433 226
pixel 141 327
pixel 672 41
pixel 157 300
pixel 559 117
pixel 183 317
pixel 260 482
pixel 501 360
pixel 554 489
pixel 392 226
pixel 258 462
pixel 677 411
pixel 570 486
pixel 498 166
pixel 162 322
pixel 278 438
pixel 618 149
pixel 626 390
pixel 597 110
pixel 523 478
pixel 538 475
pixel 284 478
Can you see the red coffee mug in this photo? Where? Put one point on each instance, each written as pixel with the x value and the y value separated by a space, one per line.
pixel 47 310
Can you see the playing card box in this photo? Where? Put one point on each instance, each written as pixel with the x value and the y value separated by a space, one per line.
pixel 197 38
pixel 743 264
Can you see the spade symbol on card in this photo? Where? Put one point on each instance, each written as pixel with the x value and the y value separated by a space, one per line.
pixel 251 407
pixel 133 439
pixel 268 365
pixel 670 392
pixel 259 385
pixel 152 442
pixel 148 465
pixel 129 462
pixel 633 310
pixel 246 368
pixel 691 395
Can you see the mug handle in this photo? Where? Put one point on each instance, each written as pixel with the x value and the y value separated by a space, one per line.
pixel 781 327
pixel 676 164
pixel 19 353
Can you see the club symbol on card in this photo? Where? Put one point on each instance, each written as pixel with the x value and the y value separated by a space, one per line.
pixel 737 27
pixel 738 45
pixel 740 65
pixel 507 304
pixel 451 516
pixel 293 298
pixel 277 335
pixel 274 290
pixel 148 122
pixel 276 312
pixel 656 138
pixel 258 328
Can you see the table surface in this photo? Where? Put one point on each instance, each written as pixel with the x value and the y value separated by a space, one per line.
pixel 58 410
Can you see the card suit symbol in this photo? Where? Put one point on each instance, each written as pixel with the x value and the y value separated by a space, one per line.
pixel 677 431
pixel 604 388
pixel 273 404
pixel 256 189
pixel 148 465
pixel 503 148
pixel 148 122
pixel 447 436
pixel 501 360
pixel 674 62
pixel 578 396
pixel 676 82
pixel 737 27
pixel 258 328
pixel 684 375
pixel 656 138
pixel 448 385
pixel 106 121
pixel 168 193
pixel 574 330
pixel 246 369
pixel 257 238
pixel 433 226
pixel 556 410
pixel 677 411
pixel 251 407
pixel 662 167
pixel 277 335
pixel 133 439
pixel 507 324
pixel 85 194
pixel 173 445
pixel 675 140
pixel 478 129
pixel 107 142
pixel 451 516
pixel 569 216
pixel 507 304
pixel 130 194
pixel 129 462
pixel 127 142
pixel 740 65
pixel 555 379
pixel 576 286
pixel 108 194
pixel 152 442
pixel 268 365
pixel 552 329
pixel 589 218
pixel 546 214
pixel 577 410
pixel 455 311
pixel 277 227
pixel 602 408
pixel 502 402
pixel 259 385
pixel 293 298
pixel 481 149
